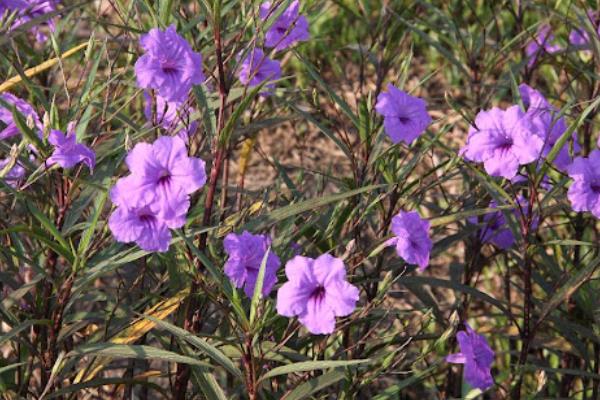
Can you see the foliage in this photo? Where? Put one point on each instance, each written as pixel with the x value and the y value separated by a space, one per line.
pixel 82 313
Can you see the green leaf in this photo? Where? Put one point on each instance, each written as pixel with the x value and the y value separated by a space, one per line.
pixel 448 219
pixel 164 11
pixel 427 38
pixel 89 81
pixel 208 384
pixel 139 352
pixel 201 344
pixel 257 295
pixel 208 112
pixel 219 279
pixel 311 366
pixel 46 223
pixel 423 280
pixel 581 276
pixel 21 327
pixel 79 387
pixel 560 143
pixel 392 391
pixel 312 71
pixel 86 237
pixel 364 116
pixel 16 295
pixel 312 386
pixel 307 205
pixel 324 129
pixel 237 113
pixel 28 132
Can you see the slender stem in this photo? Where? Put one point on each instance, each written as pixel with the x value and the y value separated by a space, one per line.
pixel 47 336
pixel 527 333
pixel 192 320
pixel 248 362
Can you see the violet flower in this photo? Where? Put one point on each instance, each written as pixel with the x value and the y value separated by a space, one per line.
pixel 579 37
pixel 29 10
pixel 159 171
pixel 405 117
pixel 173 116
pixel 289 28
pixel 14 175
pixel 503 140
pixel 67 152
pixel 155 196
pixel 477 357
pixel 412 240
pixel 146 224
pixel 547 125
pixel 246 252
pixel 6 116
pixel 169 66
pixel 316 292
pixel 541 43
pixel 584 192
pixel 257 67
pixel 12 5
pixel 495 229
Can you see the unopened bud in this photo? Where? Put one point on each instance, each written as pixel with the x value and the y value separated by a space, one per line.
pixel 46 124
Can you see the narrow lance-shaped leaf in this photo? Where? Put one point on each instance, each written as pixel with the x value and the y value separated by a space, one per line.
pixel 311 366
pixel 201 344
pixel 139 352
pixel 568 289
pixel 564 138
pixel 257 295
pixel 312 386
pixel 237 113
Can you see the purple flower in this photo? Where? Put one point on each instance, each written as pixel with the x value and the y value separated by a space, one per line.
pixel 12 5
pixel 477 356
pixel 316 292
pixel 502 141
pixel 246 252
pixel 170 66
pixel 67 152
pixel 584 193
pixel 495 229
pixel 541 42
pixel 6 116
pixel 159 171
pixel 14 175
pixel 546 125
pixel 29 10
pixel 173 116
pixel 257 67
pixel 289 28
pixel 296 248
pixel 155 196
pixel 146 223
pixel 412 240
pixel 405 117
pixel 580 37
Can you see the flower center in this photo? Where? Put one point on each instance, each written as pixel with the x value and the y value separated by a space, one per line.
pixel 595 186
pixel 169 67
pixel 506 144
pixel 164 178
pixel 403 120
pixel 259 75
pixel 318 294
pixel 147 218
